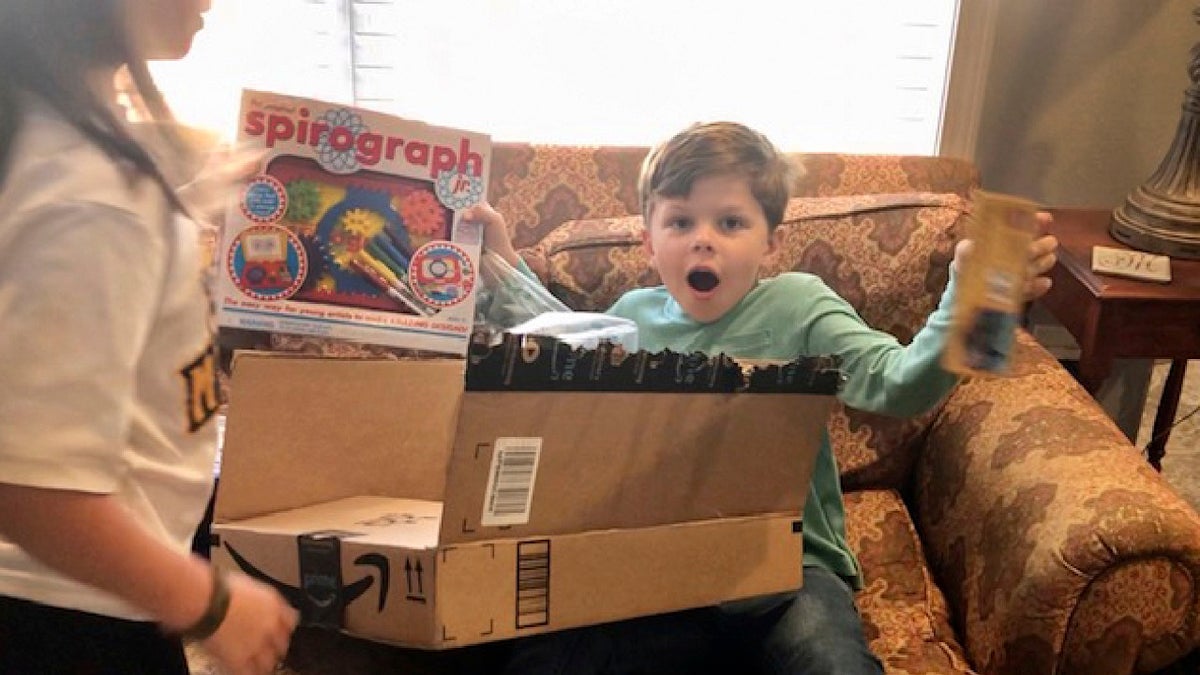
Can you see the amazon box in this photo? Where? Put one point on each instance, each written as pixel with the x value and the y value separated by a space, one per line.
pixel 442 503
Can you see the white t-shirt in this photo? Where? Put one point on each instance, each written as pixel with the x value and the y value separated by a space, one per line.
pixel 107 369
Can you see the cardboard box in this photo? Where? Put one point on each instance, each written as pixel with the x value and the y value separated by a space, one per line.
pixel 388 502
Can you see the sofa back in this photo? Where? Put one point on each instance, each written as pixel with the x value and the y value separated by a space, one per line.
pixel 539 187
pixel 888 254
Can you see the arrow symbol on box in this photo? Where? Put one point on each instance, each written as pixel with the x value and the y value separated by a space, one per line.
pixel 409 568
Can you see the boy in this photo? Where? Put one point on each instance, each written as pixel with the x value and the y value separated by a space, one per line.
pixel 712 198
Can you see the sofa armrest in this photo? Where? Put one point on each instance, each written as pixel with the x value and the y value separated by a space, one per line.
pixel 1058 547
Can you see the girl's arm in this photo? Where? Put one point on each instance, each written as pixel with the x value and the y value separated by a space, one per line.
pixel 91 538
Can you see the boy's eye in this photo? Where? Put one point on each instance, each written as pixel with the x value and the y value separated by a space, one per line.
pixel 731 223
pixel 678 223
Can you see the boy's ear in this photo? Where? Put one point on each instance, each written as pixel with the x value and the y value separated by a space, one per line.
pixel 774 240
pixel 647 245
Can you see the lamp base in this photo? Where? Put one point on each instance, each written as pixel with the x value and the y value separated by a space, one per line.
pixel 1158 224
pixel 1163 214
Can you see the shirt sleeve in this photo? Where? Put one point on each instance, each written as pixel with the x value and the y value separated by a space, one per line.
pixel 523 268
pixel 882 375
pixel 79 283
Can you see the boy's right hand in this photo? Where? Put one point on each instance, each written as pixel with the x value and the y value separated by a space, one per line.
pixel 495 231
pixel 256 631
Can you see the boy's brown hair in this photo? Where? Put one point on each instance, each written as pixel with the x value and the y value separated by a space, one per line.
pixel 713 149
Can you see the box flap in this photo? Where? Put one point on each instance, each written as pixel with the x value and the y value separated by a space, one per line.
pixel 371 521
pixel 305 430
pixel 623 460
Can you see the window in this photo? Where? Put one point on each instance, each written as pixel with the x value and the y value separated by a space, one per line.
pixel 855 76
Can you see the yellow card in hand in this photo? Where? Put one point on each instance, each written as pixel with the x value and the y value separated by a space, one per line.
pixel 990 291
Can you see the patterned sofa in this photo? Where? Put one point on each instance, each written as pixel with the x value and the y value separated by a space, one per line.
pixel 1012 530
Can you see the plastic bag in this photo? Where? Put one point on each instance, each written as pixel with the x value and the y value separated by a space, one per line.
pixel 511 302
pixel 582 329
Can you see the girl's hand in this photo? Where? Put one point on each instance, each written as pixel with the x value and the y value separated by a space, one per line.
pixel 1042 256
pixel 223 172
pixel 256 631
pixel 495 231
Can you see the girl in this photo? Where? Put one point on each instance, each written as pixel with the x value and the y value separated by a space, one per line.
pixel 106 394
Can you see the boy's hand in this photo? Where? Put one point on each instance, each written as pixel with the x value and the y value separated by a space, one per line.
pixel 1042 256
pixel 495 231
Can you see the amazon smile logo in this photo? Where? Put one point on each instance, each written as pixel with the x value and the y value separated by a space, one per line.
pixel 322 596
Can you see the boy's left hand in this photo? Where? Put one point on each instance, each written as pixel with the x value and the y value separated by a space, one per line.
pixel 1042 256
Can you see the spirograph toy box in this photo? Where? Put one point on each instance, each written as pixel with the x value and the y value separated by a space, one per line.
pixel 352 226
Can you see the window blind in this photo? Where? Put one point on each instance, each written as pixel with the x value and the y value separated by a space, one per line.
pixel 853 76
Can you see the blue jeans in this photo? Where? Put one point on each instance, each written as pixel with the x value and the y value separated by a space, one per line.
pixel 815 630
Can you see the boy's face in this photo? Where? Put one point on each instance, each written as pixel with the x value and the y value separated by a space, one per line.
pixel 708 247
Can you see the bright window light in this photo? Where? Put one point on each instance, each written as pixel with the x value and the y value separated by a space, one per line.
pixel 850 76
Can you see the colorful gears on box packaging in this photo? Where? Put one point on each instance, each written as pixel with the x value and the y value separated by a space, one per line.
pixel 303 200
pixel 362 231
pixel 422 213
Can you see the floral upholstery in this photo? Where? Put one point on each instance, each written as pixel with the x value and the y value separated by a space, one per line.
pixel 1059 547
pixel 1012 530
pixel 905 615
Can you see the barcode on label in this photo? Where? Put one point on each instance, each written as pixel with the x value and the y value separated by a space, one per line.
pixel 509 491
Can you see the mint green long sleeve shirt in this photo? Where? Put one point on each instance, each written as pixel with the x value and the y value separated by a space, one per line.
pixel 796 314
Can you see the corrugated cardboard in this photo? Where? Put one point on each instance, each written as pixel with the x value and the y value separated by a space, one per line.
pixel 358 488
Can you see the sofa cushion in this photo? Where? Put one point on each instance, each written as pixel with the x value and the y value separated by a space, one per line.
pixel 906 241
pixel 537 187
pixel 588 264
pixel 887 255
pixel 905 615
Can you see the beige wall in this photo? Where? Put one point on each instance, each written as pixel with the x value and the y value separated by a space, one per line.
pixel 1080 105
pixel 1083 96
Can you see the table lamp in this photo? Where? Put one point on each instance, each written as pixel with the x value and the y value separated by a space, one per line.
pixel 1163 214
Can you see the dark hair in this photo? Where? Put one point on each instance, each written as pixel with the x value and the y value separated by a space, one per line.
pixel 712 149
pixel 50 48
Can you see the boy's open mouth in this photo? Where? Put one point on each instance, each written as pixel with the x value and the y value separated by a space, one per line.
pixel 703 280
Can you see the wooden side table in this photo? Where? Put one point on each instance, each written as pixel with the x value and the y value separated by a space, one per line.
pixel 1113 317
